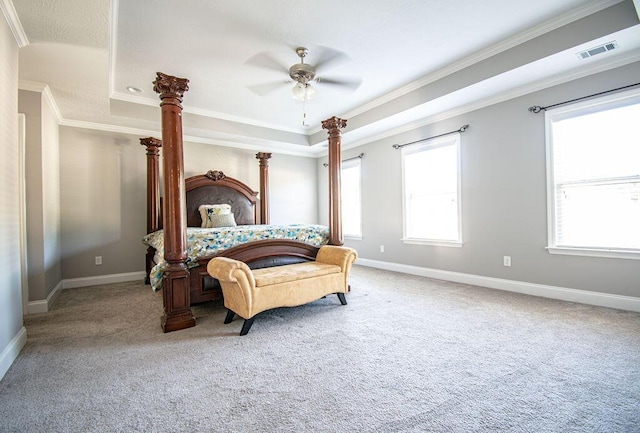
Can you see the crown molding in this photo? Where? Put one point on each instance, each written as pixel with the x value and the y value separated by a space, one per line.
pixel 207 113
pixel 316 151
pixel 50 100
pixel 14 23
pixel 498 98
pixel 31 86
pixel 107 127
pixel 44 89
pixel 258 146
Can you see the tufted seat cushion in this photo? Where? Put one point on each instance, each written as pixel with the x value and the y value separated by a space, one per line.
pixel 298 271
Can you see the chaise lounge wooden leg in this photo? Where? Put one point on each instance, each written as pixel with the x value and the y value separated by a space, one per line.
pixel 343 300
pixel 230 316
pixel 246 326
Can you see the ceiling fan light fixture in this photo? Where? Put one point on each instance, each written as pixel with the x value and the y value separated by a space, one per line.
pixel 303 91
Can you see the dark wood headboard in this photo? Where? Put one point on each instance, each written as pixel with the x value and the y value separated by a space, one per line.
pixel 217 188
pixel 214 187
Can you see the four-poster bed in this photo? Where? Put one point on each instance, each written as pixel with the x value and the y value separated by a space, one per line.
pixel 184 285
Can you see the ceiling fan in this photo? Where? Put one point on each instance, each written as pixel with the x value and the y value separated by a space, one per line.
pixel 303 74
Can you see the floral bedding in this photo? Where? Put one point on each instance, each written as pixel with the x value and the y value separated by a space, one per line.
pixel 202 242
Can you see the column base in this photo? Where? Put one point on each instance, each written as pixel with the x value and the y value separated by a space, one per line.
pixel 177 300
pixel 177 322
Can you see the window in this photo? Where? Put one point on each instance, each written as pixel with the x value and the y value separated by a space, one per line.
pixel 351 198
pixel 431 192
pixel 593 169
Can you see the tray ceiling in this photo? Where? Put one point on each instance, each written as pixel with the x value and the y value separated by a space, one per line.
pixel 417 61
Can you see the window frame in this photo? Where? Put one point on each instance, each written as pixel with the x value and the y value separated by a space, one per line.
pixel 603 103
pixel 438 142
pixel 354 162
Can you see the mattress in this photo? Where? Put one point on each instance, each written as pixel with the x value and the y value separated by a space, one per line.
pixel 204 242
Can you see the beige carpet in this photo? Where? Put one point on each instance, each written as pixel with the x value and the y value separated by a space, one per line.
pixel 407 354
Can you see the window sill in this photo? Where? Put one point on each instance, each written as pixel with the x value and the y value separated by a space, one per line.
pixel 596 252
pixel 353 237
pixel 455 244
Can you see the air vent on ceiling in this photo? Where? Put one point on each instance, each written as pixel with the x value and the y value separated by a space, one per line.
pixel 597 50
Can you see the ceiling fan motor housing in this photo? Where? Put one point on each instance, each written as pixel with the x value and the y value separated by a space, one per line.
pixel 302 73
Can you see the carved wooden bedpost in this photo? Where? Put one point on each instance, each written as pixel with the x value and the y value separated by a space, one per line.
pixel 175 283
pixel 333 127
pixel 264 186
pixel 153 146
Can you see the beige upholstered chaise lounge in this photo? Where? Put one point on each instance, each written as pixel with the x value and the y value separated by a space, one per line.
pixel 249 292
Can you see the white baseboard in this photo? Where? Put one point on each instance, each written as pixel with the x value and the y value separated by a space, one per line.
pixel 620 302
pixel 45 305
pixel 72 283
pixel 10 353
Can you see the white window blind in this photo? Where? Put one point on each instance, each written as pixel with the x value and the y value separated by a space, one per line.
pixel 593 158
pixel 351 198
pixel 431 191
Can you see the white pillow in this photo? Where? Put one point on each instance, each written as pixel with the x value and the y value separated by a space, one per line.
pixel 212 209
pixel 224 220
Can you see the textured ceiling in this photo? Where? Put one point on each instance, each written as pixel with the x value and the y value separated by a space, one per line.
pixel 406 53
pixel 74 22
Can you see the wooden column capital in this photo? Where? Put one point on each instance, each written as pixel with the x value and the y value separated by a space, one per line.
pixel 171 89
pixel 153 145
pixel 263 157
pixel 334 125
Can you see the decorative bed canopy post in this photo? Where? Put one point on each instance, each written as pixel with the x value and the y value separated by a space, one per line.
pixel 264 186
pixel 153 182
pixel 333 126
pixel 175 284
pixel 153 146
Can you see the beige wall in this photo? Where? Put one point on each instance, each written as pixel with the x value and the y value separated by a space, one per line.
pixel 102 202
pixel 292 179
pixel 103 195
pixel 294 190
pixel 11 327
pixel 503 198
pixel 43 197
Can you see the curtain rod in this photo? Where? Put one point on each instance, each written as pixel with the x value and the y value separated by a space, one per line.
pixel 536 108
pixel 345 160
pixel 463 128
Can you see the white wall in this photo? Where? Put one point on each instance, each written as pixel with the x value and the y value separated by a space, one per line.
pixel 12 332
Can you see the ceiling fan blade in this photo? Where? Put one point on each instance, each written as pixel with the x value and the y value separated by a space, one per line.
pixel 267 61
pixel 266 88
pixel 328 58
pixel 350 84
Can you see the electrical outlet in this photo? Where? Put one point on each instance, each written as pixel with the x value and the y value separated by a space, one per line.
pixel 98 260
pixel 382 248
pixel 506 260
